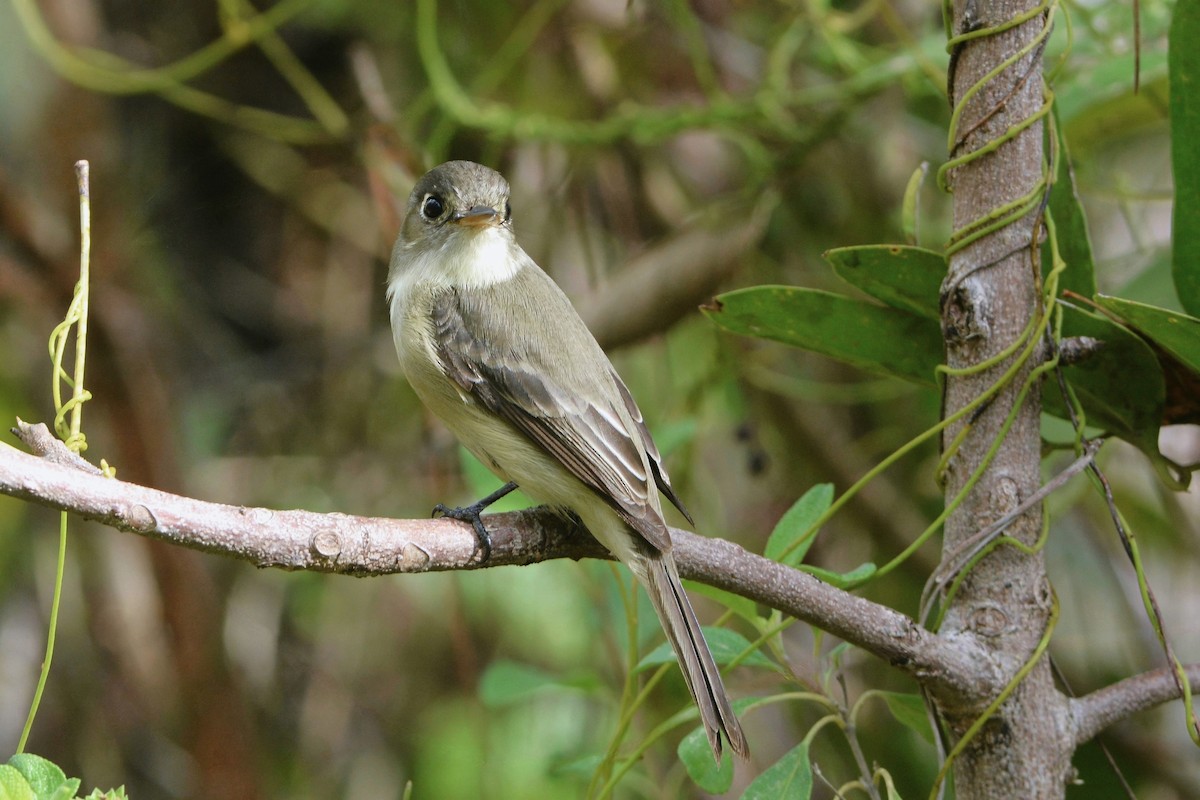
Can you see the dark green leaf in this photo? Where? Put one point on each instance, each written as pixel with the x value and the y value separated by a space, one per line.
pixel 696 755
pixel 1074 241
pixel 1120 386
pixel 907 278
pixel 909 710
pixel 842 580
pixel 795 522
pixel 789 778
pixel 1183 58
pixel 1176 339
pixel 725 645
pixel 876 338
pixel 1178 334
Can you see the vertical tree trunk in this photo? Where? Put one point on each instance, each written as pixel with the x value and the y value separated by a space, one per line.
pixel 990 294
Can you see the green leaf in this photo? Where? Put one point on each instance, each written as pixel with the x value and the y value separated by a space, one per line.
pixel 1074 241
pixel 111 794
pixel 1183 59
pixel 1178 334
pixel 1120 386
pixel 876 338
pixel 795 522
pixel 907 278
pixel 507 682
pixel 44 776
pixel 842 580
pixel 789 778
pixel 909 710
pixel 13 785
pixel 725 645
pixel 744 607
pixel 889 784
pixel 696 755
pixel 1175 338
pixel 911 208
pixel 1099 102
pixel 583 767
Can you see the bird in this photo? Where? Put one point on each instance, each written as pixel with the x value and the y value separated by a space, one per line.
pixel 495 349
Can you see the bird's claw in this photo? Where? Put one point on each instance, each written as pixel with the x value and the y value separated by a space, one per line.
pixel 473 515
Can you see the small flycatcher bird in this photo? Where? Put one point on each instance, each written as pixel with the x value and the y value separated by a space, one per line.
pixel 496 350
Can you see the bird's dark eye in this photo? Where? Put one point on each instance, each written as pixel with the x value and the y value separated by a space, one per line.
pixel 432 207
pixel 507 211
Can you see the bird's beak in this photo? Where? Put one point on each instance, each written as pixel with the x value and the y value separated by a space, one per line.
pixel 477 217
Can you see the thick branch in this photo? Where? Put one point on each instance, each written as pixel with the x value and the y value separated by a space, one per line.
pixel 989 301
pixel 1104 707
pixel 354 545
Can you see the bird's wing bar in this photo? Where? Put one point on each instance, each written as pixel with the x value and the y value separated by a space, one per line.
pixel 587 438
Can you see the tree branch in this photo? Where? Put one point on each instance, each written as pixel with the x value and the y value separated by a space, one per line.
pixel 1104 707
pixel 662 285
pixel 354 545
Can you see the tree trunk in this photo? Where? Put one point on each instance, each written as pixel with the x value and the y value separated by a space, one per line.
pixel 991 293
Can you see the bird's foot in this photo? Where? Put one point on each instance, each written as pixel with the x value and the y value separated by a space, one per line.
pixel 473 515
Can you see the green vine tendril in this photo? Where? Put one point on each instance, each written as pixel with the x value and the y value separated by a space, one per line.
pixel 69 430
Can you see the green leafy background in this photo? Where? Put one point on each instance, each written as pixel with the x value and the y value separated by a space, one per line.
pixel 244 205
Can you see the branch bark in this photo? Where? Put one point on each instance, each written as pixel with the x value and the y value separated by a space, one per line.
pixel 662 285
pixel 993 457
pixel 950 666
pixel 362 546
pixel 1094 712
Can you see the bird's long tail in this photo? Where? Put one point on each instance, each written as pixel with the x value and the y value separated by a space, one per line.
pixel 695 659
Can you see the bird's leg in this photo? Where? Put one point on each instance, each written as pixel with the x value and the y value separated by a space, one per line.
pixel 472 514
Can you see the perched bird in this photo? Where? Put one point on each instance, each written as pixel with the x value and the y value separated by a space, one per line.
pixel 496 350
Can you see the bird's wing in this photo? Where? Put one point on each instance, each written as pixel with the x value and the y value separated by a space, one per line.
pixel 579 426
pixel 661 479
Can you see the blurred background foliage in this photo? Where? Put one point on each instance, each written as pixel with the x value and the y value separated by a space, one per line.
pixel 249 167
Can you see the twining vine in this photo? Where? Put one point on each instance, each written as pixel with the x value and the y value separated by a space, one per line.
pixel 68 429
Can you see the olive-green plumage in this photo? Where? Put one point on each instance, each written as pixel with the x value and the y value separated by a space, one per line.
pixel 493 347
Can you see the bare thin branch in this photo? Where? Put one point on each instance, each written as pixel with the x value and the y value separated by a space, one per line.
pixel 1094 712
pixel 292 540
pixel 354 545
